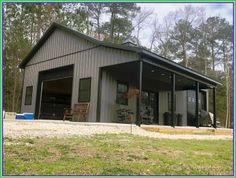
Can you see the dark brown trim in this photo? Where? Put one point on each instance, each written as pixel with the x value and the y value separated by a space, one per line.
pixel 197 104
pixel 98 117
pixel 214 107
pixel 22 91
pixel 173 100
pixel 139 121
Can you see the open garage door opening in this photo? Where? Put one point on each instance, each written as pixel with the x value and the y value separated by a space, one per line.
pixel 56 95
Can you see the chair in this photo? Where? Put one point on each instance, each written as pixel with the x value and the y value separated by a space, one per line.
pixel 79 112
pixel 67 114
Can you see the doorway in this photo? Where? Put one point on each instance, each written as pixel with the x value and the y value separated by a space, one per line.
pixel 150 108
pixel 54 92
pixel 56 95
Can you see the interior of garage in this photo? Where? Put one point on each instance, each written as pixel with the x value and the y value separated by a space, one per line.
pixel 56 95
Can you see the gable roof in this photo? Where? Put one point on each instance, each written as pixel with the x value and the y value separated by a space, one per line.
pixel 55 26
pixel 139 50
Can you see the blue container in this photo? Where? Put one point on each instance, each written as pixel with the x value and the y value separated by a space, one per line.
pixel 20 116
pixel 29 116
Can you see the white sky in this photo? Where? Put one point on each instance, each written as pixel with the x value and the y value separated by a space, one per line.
pixel 223 10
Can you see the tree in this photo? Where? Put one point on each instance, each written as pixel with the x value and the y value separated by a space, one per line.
pixel 226 48
pixel 77 17
pixel 38 17
pixel 181 40
pixel 24 24
pixel 119 26
pixel 140 22
pixel 213 26
pixel 95 11
pixel 199 58
pixel 16 46
pixel 161 37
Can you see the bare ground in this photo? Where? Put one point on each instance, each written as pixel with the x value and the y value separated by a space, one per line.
pixel 60 129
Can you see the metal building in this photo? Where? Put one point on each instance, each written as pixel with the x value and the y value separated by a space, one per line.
pixel 66 67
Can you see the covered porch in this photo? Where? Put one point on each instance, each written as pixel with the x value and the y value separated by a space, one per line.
pixel 151 92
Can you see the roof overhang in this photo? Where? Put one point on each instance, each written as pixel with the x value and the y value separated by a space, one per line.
pixel 174 67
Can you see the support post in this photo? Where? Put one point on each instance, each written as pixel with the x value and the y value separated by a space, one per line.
pixel 139 115
pixel 99 95
pixel 214 107
pixel 173 101
pixel 197 105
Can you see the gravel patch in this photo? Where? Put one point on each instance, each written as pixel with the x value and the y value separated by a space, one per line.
pixel 49 128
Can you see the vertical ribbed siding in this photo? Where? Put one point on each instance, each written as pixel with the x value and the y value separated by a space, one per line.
pixel 181 105
pixel 108 99
pixel 163 106
pixel 86 64
pixel 59 43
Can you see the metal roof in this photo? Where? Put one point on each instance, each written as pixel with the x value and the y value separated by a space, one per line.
pixel 142 51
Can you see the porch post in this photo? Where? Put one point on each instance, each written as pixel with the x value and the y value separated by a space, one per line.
pixel 214 107
pixel 139 115
pixel 197 104
pixel 173 101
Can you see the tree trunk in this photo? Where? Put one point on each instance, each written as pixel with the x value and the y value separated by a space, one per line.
pixel 98 30
pixel 14 84
pixel 205 67
pixel 213 57
pixel 227 102
pixel 185 57
pixel 226 70
pixel 112 26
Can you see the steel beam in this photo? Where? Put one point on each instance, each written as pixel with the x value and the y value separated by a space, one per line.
pixel 173 100
pixel 139 115
pixel 214 107
pixel 197 104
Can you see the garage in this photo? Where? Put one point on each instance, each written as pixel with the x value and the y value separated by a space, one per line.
pixel 54 93
pixel 56 96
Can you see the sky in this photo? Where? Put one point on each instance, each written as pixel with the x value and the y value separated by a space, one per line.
pixel 223 10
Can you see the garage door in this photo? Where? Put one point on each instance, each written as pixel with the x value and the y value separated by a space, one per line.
pixel 54 92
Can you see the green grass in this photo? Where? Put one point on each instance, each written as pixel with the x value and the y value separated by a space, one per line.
pixel 117 154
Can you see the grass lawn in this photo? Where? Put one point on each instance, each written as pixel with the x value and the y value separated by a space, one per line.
pixel 117 154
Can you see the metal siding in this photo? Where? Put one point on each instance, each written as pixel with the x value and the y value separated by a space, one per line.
pixel 163 106
pixel 59 43
pixel 181 105
pixel 86 64
pixel 108 97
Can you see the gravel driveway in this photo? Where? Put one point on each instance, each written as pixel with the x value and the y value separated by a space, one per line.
pixel 49 128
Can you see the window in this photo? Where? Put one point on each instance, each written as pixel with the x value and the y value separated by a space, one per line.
pixel 148 98
pixel 84 89
pixel 28 95
pixel 121 97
